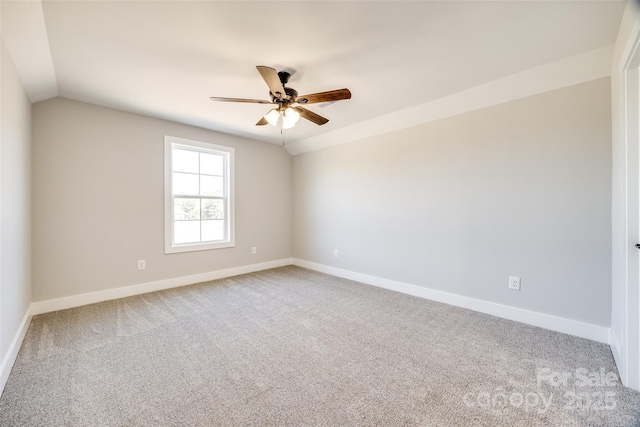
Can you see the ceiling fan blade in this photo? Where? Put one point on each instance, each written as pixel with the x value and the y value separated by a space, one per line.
pixel 262 122
pixel 332 95
pixel 272 80
pixel 311 116
pixel 253 101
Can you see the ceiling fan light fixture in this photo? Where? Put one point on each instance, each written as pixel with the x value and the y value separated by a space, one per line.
pixel 272 117
pixel 291 115
pixel 289 118
pixel 287 124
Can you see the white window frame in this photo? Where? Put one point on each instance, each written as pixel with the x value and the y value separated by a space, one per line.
pixel 228 152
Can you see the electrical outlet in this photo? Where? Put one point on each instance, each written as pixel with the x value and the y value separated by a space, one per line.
pixel 335 253
pixel 141 264
pixel 514 283
pixel 254 250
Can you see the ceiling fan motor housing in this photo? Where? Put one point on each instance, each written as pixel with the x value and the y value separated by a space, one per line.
pixel 290 92
pixel 284 77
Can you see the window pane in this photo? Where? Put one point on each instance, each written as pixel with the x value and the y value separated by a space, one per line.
pixel 184 160
pixel 211 185
pixel 186 231
pixel 212 230
pixel 186 209
pixel 211 164
pixel 212 209
pixel 185 184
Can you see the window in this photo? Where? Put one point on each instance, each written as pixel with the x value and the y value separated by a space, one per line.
pixel 198 181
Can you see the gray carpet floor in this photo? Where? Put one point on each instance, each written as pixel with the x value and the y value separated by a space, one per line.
pixel 292 347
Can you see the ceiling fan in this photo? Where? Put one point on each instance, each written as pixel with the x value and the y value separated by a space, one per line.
pixel 287 100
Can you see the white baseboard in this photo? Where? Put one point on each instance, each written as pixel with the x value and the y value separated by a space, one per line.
pixel 47 306
pixel 546 321
pixel 14 348
pixel 616 350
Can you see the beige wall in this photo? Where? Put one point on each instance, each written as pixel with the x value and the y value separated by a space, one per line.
pixel 15 201
pixel 460 204
pixel 98 200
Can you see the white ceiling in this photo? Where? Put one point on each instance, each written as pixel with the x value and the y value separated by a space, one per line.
pixel 166 58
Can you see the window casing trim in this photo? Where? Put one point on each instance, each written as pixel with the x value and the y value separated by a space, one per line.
pixel 170 247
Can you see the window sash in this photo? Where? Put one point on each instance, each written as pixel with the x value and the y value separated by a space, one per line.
pixel 225 219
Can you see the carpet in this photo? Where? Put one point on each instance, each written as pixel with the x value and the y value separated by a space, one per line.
pixel 293 347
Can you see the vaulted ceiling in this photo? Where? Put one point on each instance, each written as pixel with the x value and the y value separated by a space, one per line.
pixel 166 58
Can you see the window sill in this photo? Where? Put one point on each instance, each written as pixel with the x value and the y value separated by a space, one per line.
pixel 197 247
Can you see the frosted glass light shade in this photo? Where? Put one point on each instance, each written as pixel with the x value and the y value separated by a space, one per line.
pixel 291 115
pixel 272 117
pixel 290 118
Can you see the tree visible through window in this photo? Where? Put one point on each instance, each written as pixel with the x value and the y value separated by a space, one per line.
pixel 198 195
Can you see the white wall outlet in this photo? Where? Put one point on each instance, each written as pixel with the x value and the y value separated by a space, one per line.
pixel 335 253
pixel 141 264
pixel 514 283
pixel 254 250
